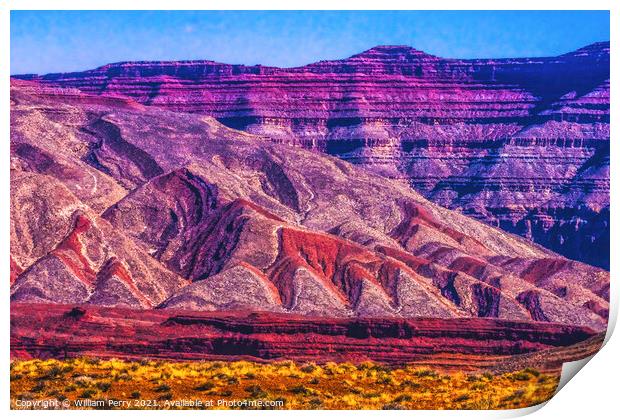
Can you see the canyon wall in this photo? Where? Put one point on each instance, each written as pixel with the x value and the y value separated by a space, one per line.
pixel 522 144
pixel 122 205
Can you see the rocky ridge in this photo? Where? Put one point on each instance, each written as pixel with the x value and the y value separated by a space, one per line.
pixel 463 344
pixel 117 204
pixel 520 143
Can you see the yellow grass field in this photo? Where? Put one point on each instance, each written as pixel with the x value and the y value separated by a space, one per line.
pixel 109 384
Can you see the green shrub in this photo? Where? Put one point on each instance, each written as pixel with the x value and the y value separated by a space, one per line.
pixel 162 388
pixel 308 368
pixel 256 391
pixel 205 386
pixel 301 390
pixel 40 386
pixel 401 398
pixel 462 397
pixel 521 376
pixel 88 393
pixel 103 386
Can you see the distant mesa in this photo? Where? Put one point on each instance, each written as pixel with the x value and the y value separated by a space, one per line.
pixel 519 143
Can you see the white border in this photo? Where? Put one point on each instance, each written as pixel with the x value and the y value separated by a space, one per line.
pixel 591 396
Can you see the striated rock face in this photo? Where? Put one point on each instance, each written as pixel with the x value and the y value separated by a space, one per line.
pixel 517 111
pixel 203 217
pixel 522 144
pixel 64 253
pixel 60 331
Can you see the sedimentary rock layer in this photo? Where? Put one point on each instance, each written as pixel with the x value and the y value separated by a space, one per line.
pixel 121 205
pixel 465 344
pixel 520 143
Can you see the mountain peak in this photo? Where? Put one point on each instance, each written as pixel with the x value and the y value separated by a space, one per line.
pixel 392 53
pixel 594 49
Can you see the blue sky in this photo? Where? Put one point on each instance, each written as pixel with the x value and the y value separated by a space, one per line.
pixel 54 41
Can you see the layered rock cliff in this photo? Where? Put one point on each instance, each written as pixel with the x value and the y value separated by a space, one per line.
pixel 117 204
pixel 61 331
pixel 522 143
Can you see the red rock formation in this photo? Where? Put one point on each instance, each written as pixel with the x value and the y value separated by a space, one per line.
pixel 116 287
pixel 91 261
pixel 71 252
pixel 16 270
pixel 541 269
pixel 464 344
pixel 203 217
